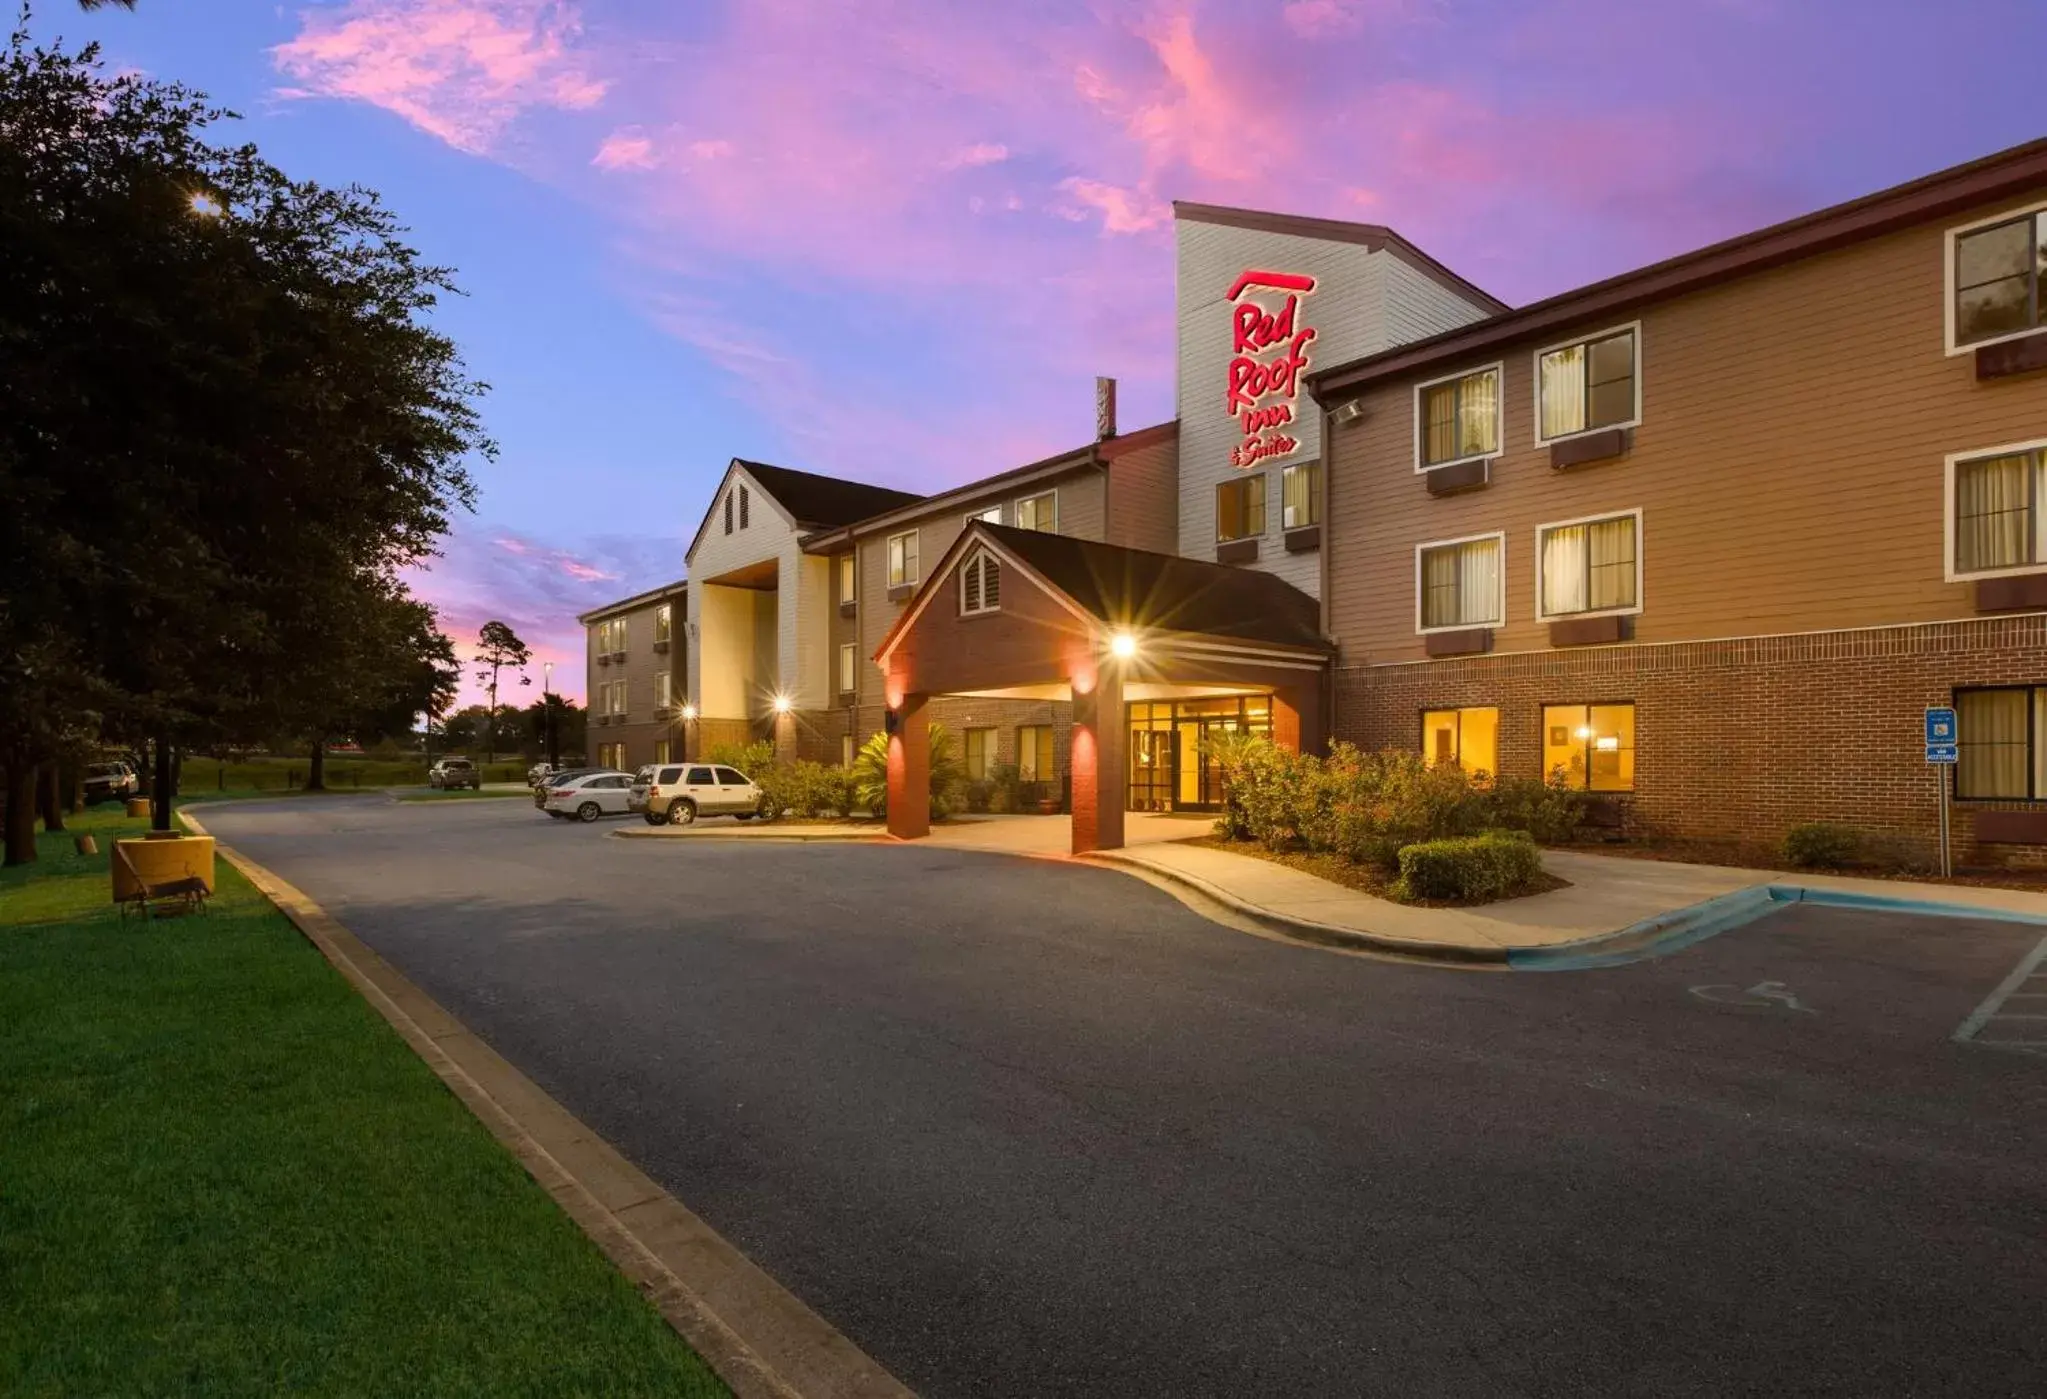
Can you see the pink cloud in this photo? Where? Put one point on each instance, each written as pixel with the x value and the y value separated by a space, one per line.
pixel 625 149
pixel 1122 210
pixel 460 70
pixel 980 153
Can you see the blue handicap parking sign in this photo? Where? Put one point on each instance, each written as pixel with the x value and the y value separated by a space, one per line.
pixel 1940 729
pixel 1942 753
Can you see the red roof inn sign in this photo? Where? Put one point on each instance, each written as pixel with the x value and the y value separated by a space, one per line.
pixel 1269 354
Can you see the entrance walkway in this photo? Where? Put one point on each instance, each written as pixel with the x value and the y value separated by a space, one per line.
pixel 1052 835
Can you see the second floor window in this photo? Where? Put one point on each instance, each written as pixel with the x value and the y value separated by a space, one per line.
pixel 614 697
pixel 1460 418
pixel 1300 495
pixel 1461 583
pixel 1586 386
pixel 1997 512
pixel 902 559
pixel 981 585
pixel 663 622
pixel 847 664
pixel 1590 566
pixel 1996 272
pixel 1240 508
pixel 1039 512
pixel 664 690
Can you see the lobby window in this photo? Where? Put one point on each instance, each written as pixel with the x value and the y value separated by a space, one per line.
pixel 2002 742
pixel 663 623
pixel 1588 385
pixel 980 753
pixel 1462 738
pixel 1039 512
pixel 902 559
pixel 1996 512
pixel 1034 753
pixel 1458 419
pixel 848 663
pixel 1590 566
pixel 981 585
pixel 848 573
pixel 1240 508
pixel 1592 745
pixel 1460 583
pixel 1300 495
pixel 1994 279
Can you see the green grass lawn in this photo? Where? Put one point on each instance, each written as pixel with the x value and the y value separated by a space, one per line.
pixel 200 776
pixel 222 1173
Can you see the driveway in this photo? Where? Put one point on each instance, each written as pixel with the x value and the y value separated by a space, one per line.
pixel 1021 1128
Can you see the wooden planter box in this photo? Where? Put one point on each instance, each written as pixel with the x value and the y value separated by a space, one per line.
pixel 162 862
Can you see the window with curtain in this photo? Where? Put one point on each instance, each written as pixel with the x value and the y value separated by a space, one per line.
pixel 664 689
pixel 1460 584
pixel 1460 418
pixel 902 559
pixel 1462 738
pixel 1997 279
pixel 2001 742
pixel 1300 491
pixel 1040 512
pixel 1997 512
pixel 848 572
pixel 980 753
pixel 1590 566
pixel 847 668
pixel 1034 753
pixel 981 585
pixel 1587 386
pixel 1240 508
pixel 662 622
pixel 1591 745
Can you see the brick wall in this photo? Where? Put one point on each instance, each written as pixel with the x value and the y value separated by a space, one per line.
pixel 1739 737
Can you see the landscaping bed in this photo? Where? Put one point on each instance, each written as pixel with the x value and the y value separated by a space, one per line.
pixel 1758 856
pixel 221 1172
pixel 1366 879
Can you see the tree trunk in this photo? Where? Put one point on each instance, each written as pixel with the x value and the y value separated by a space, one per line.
pixel 160 787
pixel 71 783
pixel 21 809
pixel 49 796
pixel 316 776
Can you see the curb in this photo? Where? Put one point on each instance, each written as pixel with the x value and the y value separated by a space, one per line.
pixel 689 833
pixel 759 1337
pixel 1307 930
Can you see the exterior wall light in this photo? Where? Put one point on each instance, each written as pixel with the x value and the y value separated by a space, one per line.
pixel 783 704
pixel 689 713
pixel 1123 645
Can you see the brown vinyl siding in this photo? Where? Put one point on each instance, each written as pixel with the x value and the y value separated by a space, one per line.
pixel 1789 463
pixel 1143 498
pixel 641 665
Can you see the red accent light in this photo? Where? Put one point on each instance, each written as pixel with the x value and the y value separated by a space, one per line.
pixel 1279 281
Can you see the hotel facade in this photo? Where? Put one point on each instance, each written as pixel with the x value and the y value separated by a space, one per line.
pixel 1705 539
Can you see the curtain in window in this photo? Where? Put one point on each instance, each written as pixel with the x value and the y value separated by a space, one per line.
pixel 1479 410
pixel 1297 496
pixel 1612 582
pixel 1993 519
pixel 1992 728
pixel 1478 581
pixel 1563 391
pixel 1439 588
pixel 1439 408
pixel 1563 571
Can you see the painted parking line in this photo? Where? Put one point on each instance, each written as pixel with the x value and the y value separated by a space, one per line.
pixel 2014 1016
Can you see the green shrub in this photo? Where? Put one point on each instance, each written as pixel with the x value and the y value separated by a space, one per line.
pixel 948 774
pixel 808 790
pixel 1005 785
pixel 1496 865
pixel 1551 811
pixel 753 759
pixel 1821 845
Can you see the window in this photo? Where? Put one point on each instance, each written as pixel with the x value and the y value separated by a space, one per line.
pixel 610 755
pixel 1300 495
pixel 1994 280
pixel 902 559
pixel 847 671
pixel 614 697
pixel 991 516
pixel 699 777
pixel 1458 419
pixel 1994 504
pixel 662 754
pixel 1589 566
pixel 980 753
pixel 1460 583
pixel 848 572
pixel 2002 743
pixel 1592 745
pixel 981 585
pixel 1039 512
pixel 1462 738
pixel 611 636
pixel 1586 386
pixel 846 750
pixel 728 512
pixel 664 690
pixel 728 778
pixel 1034 753
pixel 745 499
pixel 662 623
pixel 1240 508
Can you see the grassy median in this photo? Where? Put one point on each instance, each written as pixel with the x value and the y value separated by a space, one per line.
pixel 222 1173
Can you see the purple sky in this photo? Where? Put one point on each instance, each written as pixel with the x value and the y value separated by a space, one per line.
pixel 898 240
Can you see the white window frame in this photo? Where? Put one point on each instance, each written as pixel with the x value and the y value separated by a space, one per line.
pixel 1948 241
pixel 909 580
pixel 849 667
pixel 1498 367
pixel 1583 338
pixel 847 567
pixel 664 690
pixel 983 559
pixel 981 515
pixel 1499 603
pixel 664 622
pixel 1640 553
pixel 1947 513
pixel 1038 495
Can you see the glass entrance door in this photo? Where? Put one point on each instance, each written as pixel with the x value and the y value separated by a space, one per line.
pixel 1151 769
pixel 1170 766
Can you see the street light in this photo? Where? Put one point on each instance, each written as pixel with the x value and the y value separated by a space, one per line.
pixel 554 757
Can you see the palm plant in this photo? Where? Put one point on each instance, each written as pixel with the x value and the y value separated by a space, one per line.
pixel 948 772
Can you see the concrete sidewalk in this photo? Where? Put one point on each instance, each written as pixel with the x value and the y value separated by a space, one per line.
pixel 1609 896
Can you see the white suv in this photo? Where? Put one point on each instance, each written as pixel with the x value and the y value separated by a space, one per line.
pixel 451 773
pixel 678 793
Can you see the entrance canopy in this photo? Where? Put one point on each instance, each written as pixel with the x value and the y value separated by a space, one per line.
pixel 1021 614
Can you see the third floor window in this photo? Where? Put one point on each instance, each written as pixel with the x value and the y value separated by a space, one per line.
pixel 902 559
pixel 1039 512
pixel 1459 419
pixel 663 622
pixel 1240 508
pixel 1995 273
pixel 1588 385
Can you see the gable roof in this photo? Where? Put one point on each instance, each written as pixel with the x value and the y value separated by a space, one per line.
pixel 2002 175
pixel 1374 237
pixel 1122 587
pixel 637 600
pixel 822 502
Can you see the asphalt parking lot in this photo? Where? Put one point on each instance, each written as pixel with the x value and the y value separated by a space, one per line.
pixel 1025 1128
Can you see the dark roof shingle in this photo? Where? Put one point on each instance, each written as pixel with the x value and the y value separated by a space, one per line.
pixel 824 502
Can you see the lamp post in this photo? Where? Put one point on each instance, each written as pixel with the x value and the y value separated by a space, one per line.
pixel 554 759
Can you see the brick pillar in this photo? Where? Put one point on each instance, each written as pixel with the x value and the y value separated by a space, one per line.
pixel 1100 767
pixel 909 770
pixel 1297 718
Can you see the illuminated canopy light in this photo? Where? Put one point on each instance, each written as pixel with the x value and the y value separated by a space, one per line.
pixel 1123 645
pixel 783 704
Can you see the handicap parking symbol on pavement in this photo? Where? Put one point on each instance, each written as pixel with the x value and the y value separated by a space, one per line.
pixel 1764 995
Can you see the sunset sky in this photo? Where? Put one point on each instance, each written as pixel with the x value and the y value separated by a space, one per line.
pixel 897 241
